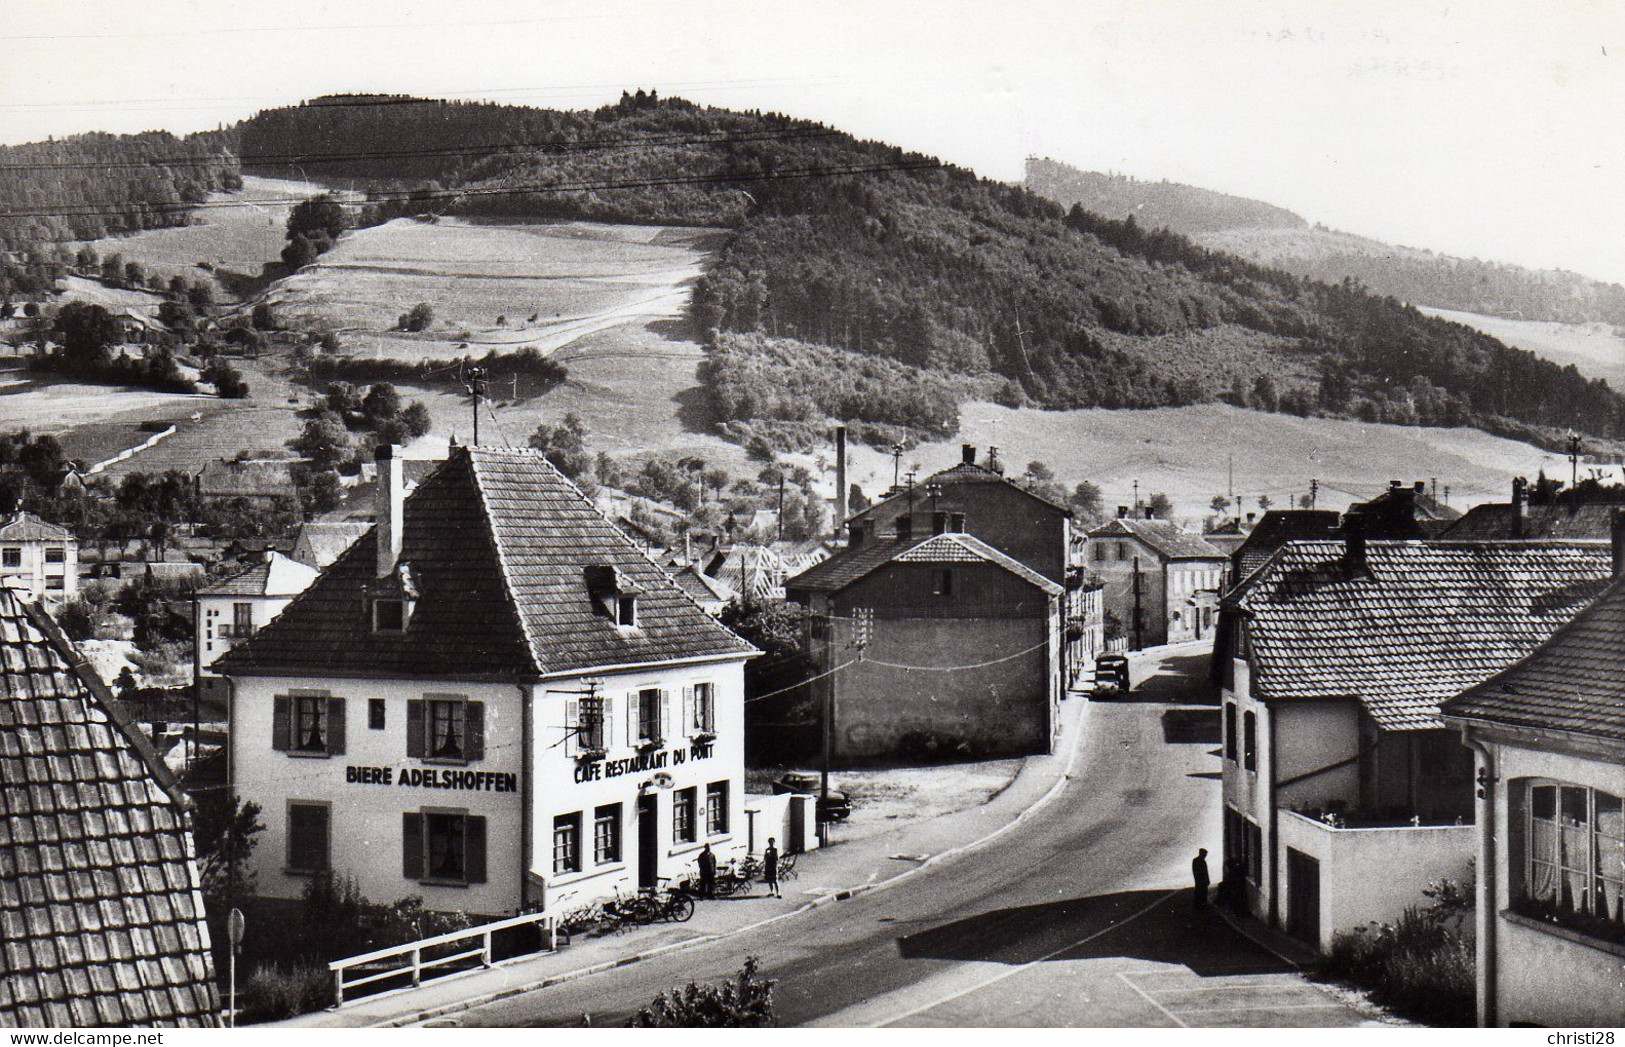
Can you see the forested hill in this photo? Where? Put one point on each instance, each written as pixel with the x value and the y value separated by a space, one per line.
pixel 1277 238
pixel 95 185
pixel 1155 205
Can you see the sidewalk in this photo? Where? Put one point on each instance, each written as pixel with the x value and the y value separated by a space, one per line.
pixel 823 877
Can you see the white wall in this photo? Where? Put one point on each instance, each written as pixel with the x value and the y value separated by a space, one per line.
pixel 1542 978
pixel 216 611
pixel 1372 875
pixel 38 576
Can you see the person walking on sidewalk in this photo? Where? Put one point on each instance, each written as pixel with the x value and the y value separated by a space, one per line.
pixel 708 872
pixel 1200 877
pixel 770 868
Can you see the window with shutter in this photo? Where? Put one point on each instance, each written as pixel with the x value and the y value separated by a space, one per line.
pixel 573 740
pixel 415 728
pixel 474 722
pixel 308 724
pixel 474 849
pixel 335 727
pixel 567 843
pixel 412 846
pixel 445 847
pixel 690 724
pixel 308 837
pixel 281 723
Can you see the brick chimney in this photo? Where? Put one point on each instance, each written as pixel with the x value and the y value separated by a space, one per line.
pixel 1149 513
pixel 1354 551
pixel 1122 512
pixel 1616 532
pixel 967 454
pixel 1420 487
pixel 390 498
pixel 1520 505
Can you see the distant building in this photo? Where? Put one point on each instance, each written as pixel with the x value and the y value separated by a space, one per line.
pixel 319 543
pixel 1518 520
pixel 1549 734
pixel 1161 583
pixel 1276 528
pixel 235 608
pixel 39 557
pixel 493 700
pixel 960 649
pixel 1406 512
pixel 101 918
pixel 1344 793
pixel 712 594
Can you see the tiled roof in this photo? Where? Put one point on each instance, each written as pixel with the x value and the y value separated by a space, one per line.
pixel 319 544
pixel 963 473
pixel 1573 683
pixel 1160 535
pixel 1422 623
pixel 849 566
pixel 1276 528
pixel 497 542
pixel 26 527
pixel 101 919
pixel 701 586
pixel 276 575
pixel 1494 521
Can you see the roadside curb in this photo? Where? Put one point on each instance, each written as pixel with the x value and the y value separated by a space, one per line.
pixel 841 894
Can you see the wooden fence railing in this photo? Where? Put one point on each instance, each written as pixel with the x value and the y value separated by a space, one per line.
pixel 414 963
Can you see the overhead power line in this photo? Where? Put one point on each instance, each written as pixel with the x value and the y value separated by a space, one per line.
pixel 416 195
pixel 317 158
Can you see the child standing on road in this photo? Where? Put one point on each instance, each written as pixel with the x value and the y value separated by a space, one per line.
pixel 770 868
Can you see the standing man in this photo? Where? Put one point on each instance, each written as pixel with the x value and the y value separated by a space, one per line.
pixel 708 872
pixel 1199 875
pixel 770 868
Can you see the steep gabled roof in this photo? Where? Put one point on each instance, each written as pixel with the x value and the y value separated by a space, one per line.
pixel 497 542
pixel 1162 536
pixel 963 473
pixel 701 586
pixel 1495 521
pixel 1421 623
pixel 853 564
pixel 26 527
pixel 1574 683
pixel 101 918
pixel 1276 528
pixel 320 543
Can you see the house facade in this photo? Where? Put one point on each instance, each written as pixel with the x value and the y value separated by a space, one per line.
pixel 493 700
pixel 1548 735
pixel 1335 759
pixel 233 609
pixel 934 647
pixel 1161 584
pixel 39 557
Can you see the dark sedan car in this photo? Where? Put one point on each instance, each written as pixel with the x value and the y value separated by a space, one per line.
pixel 1111 671
pixel 835 808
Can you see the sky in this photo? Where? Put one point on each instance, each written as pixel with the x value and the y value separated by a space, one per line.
pixel 1489 129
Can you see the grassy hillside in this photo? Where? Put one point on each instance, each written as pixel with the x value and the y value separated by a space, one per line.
pixel 1279 239
pixel 1595 350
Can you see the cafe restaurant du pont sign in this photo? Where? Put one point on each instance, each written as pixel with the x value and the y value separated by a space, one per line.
pixel 657 760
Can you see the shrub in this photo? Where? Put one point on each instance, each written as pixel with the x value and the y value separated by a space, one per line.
pixel 745 1002
pixel 418 318
pixel 275 992
pixel 1420 966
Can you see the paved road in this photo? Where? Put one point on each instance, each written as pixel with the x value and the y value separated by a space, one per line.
pixel 1081 916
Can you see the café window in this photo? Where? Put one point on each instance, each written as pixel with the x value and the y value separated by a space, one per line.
pixel 716 808
pixel 309 837
pixel 648 716
pixel 566 844
pixel 445 728
pixel 1568 857
pixel 606 834
pixel 308 724
pixel 445 847
pixel 683 807
pixel 589 725
pixel 703 708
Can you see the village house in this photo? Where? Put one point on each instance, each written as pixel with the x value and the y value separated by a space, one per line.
pixel 1273 530
pixel 39 557
pixel 1518 519
pixel 236 607
pixel 1549 739
pixel 934 645
pixel 492 700
pixel 101 916
pixel 1161 583
pixel 1336 763
pixel 712 594
pixel 320 542
pixel 979 500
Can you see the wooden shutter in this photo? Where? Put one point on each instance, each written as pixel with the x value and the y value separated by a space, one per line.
pixel 335 726
pixel 572 726
pixel 474 849
pixel 633 714
pixel 690 720
pixel 415 731
pixel 474 729
pixel 412 846
pixel 661 725
pixel 281 723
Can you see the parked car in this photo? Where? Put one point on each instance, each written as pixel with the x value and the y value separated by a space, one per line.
pixel 1111 671
pixel 835 808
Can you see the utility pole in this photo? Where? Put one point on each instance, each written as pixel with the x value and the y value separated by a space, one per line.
pixel 781 506
pixel 896 464
pixel 1574 459
pixel 1314 491
pixel 1136 503
pixel 474 382
pixel 1021 341
pixel 1232 486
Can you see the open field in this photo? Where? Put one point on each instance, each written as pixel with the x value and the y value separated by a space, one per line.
pixel 113 299
pixel 551 283
pixel 1596 350
pixel 238 239
pixel 1185 452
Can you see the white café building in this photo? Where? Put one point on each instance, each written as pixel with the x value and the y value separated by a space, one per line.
pixel 493 700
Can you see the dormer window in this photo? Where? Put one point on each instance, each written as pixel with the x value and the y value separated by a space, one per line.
pixel 626 611
pixel 389 615
pixel 614 595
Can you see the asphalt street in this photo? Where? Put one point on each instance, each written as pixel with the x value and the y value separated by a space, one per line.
pixel 1081 916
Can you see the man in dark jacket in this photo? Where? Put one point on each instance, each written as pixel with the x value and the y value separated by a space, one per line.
pixel 708 872
pixel 1199 875
pixel 770 868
